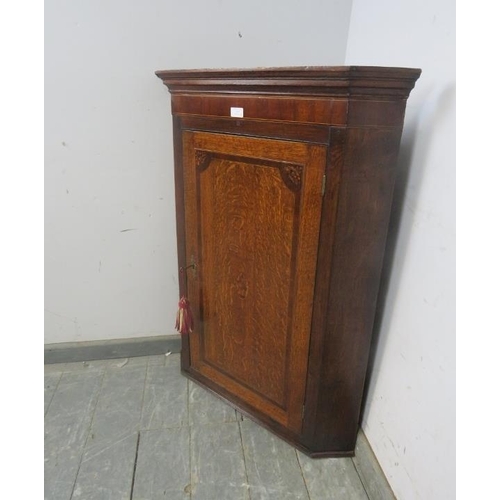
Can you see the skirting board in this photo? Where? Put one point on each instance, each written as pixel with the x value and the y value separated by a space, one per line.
pixel 110 349
pixel 369 471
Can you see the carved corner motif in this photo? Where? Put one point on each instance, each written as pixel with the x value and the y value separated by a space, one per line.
pixel 292 176
pixel 202 159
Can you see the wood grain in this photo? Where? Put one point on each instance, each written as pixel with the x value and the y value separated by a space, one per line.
pixel 266 108
pixel 335 81
pixel 269 129
pixel 362 217
pixel 254 222
pixel 247 258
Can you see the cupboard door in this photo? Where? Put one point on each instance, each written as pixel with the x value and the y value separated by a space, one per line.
pixel 252 216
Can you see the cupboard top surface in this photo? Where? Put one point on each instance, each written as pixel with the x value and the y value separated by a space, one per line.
pixel 309 80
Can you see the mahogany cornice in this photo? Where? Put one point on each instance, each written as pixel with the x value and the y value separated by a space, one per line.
pixel 367 81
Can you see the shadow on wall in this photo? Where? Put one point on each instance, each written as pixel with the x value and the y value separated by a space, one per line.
pixel 415 144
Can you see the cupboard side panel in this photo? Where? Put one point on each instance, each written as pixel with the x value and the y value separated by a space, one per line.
pixel 362 220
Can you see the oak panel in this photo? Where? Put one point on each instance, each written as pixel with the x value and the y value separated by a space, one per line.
pixel 252 209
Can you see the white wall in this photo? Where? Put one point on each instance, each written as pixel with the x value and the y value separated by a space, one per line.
pixel 409 416
pixel 108 168
pixel 108 146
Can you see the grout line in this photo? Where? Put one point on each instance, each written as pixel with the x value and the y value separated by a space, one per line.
pixel 53 393
pixel 89 432
pixel 189 444
pixel 139 424
pixel 302 474
pixel 360 479
pixel 244 460
pixel 188 405
pixel 135 465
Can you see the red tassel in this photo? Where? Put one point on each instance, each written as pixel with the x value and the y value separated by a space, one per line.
pixel 184 322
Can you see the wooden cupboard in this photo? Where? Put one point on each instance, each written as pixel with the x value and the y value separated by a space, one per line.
pixel 284 180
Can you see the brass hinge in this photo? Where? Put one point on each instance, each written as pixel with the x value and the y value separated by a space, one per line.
pixel 323 186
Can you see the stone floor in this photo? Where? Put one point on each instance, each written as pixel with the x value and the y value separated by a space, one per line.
pixel 136 429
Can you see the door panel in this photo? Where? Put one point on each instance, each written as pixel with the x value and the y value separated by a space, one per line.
pixel 252 222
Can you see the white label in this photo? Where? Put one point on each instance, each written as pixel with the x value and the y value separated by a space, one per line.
pixel 237 112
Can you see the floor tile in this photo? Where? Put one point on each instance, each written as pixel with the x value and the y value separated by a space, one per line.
pixel 118 411
pixel 107 473
pixel 163 468
pixel 67 425
pixel 205 408
pixel 165 398
pixel 158 359
pixel 79 366
pixel 108 461
pixel 50 383
pixel 173 360
pixel 331 478
pixel 217 464
pixel 129 362
pixel 54 367
pixel 272 466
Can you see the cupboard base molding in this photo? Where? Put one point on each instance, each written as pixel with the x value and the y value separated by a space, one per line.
pixel 262 420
